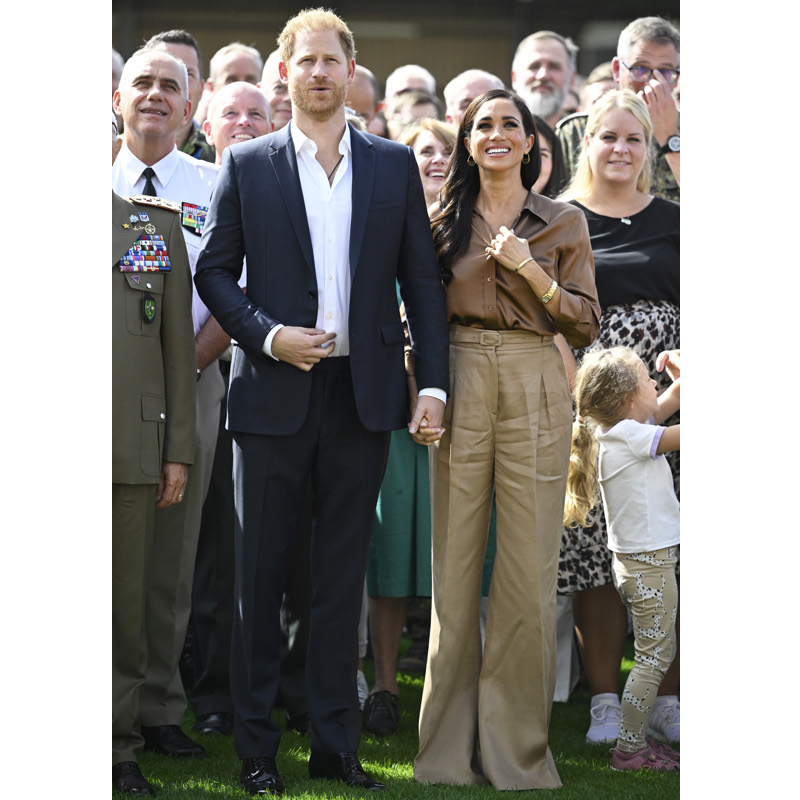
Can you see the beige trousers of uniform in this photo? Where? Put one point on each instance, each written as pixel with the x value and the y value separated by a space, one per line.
pixel 484 717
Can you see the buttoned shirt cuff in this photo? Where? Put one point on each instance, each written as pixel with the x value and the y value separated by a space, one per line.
pixel 439 394
pixel 267 346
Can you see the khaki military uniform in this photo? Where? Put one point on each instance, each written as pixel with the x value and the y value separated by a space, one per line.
pixel 153 420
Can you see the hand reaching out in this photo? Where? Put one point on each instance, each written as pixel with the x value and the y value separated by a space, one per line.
pixel 671 359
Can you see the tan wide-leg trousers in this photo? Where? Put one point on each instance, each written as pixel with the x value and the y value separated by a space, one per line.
pixel 484 717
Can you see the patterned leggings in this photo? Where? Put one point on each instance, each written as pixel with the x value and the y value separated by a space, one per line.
pixel 647 585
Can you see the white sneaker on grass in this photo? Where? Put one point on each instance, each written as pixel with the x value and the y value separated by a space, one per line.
pixel 604 711
pixel 665 719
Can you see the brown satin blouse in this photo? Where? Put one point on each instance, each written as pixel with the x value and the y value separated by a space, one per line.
pixel 484 294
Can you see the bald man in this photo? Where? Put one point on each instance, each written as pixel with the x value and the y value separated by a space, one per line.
pixel 238 112
pixel 276 91
pixel 464 88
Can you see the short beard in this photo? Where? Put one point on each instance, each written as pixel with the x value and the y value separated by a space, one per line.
pixel 545 105
pixel 301 100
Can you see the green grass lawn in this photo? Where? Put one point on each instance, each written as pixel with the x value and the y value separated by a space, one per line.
pixel 583 768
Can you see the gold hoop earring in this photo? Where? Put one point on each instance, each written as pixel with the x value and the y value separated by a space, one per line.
pixel 526 159
pixel 470 161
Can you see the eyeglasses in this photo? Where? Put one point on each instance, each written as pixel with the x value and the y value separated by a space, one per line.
pixel 641 74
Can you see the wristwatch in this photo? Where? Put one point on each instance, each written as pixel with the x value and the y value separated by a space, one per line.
pixel 673 145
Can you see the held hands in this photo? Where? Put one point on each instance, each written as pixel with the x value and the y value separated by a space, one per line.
pixel 172 484
pixel 508 249
pixel 426 420
pixel 302 347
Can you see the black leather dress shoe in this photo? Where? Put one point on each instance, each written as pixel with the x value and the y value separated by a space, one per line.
pixel 220 722
pixel 128 778
pixel 260 776
pixel 343 767
pixel 170 740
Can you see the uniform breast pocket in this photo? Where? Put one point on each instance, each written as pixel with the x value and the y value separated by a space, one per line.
pixel 143 298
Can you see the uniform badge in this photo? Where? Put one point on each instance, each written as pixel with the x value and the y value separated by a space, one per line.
pixel 148 307
pixel 193 217
pixel 148 254
pixel 143 216
pixel 133 218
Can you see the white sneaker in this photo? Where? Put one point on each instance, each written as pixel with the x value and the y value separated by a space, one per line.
pixel 604 711
pixel 665 719
pixel 363 689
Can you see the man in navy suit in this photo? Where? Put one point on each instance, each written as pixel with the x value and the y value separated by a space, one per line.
pixel 329 219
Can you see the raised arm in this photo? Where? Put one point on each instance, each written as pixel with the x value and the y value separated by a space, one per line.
pixel 669 401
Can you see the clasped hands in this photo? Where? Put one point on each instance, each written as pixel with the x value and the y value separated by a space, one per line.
pixel 425 426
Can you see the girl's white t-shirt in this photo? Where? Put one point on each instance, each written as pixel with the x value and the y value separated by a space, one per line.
pixel 642 511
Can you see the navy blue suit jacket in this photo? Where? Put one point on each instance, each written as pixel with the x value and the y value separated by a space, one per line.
pixel 257 212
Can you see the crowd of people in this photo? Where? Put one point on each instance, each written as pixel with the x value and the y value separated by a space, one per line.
pixel 391 300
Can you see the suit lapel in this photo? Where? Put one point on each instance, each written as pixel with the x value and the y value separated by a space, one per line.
pixel 284 161
pixel 363 178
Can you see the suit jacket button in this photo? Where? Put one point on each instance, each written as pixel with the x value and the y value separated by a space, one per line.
pixel 312 295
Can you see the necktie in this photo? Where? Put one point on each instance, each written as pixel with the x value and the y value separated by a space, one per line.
pixel 149 173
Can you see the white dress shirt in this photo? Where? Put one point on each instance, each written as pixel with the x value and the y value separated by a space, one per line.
pixel 179 178
pixel 329 207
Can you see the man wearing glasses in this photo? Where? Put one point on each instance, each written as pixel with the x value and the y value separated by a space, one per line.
pixel 647 62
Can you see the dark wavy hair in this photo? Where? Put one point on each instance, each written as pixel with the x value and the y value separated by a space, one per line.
pixel 452 224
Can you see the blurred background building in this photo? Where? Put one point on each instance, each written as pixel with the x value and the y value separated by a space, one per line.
pixel 445 36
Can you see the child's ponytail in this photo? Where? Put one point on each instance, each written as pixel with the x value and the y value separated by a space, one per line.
pixel 582 477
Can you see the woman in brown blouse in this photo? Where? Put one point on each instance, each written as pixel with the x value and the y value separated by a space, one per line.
pixel 518 269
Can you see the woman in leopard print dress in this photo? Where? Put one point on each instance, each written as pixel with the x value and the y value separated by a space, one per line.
pixel 636 245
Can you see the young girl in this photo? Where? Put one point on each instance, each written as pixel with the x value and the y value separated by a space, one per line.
pixel 615 395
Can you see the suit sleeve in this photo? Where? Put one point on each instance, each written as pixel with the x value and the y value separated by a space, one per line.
pixel 219 266
pixel 178 352
pixel 421 289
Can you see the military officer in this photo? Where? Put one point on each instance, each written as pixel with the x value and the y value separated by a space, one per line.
pixel 153 100
pixel 153 434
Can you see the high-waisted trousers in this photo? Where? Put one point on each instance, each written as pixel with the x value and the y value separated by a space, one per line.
pixel 485 715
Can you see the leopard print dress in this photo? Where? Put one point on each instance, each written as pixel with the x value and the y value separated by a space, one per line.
pixel 649 327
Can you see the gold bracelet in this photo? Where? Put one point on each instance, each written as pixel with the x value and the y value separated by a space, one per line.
pixel 546 298
pixel 529 258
